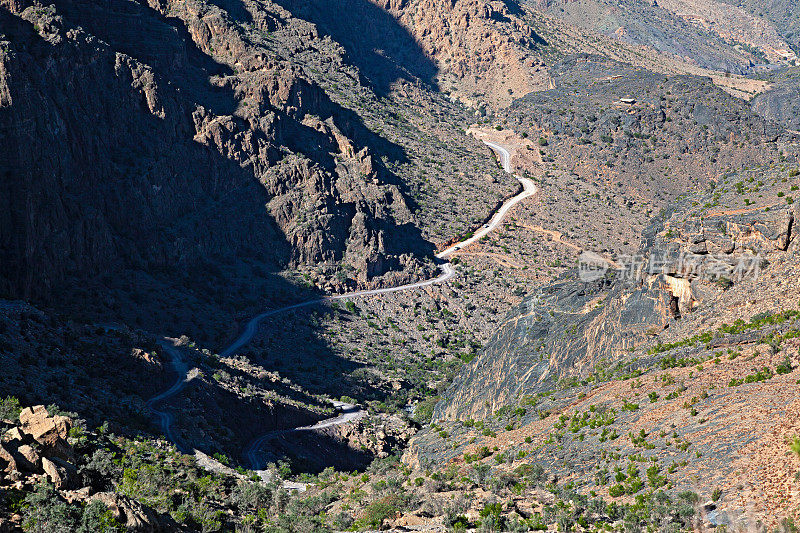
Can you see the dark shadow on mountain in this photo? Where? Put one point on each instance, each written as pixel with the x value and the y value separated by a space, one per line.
pixel 375 42
pixel 313 451
pixel 235 8
pixel 135 221
pixel 513 7
pixel 132 212
pixel 289 344
pixel 239 420
pixel 166 45
pixel 162 43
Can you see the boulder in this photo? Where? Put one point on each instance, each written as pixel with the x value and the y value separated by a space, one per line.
pixel 13 434
pixel 44 429
pixel 27 458
pixel 49 431
pixel 60 473
pixel 728 246
pixel 700 248
pixel 79 495
pixel 134 515
pixel 7 460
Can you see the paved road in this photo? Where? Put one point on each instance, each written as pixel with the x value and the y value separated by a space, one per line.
pixel 528 189
pixel 349 412
pixel 252 327
pixel 448 272
pixel 182 370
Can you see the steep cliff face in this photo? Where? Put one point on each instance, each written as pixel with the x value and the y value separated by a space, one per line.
pixel 156 138
pixel 99 167
pixel 569 329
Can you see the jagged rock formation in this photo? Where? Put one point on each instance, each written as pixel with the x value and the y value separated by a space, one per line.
pixel 781 103
pixel 38 446
pixel 229 153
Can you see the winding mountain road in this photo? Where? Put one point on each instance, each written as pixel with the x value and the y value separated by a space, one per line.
pixel 181 369
pixel 349 412
pixel 528 189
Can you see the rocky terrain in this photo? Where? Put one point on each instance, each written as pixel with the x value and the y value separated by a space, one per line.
pixel 267 149
pixel 619 354
pixel 722 36
pixel 660 368
pixel 779 104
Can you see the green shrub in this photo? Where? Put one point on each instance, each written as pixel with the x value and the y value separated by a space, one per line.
pixel 616 491
pixel 10 408
pixel 378 511
pixel 98 519
pixel 795 446
pixel 423 412
pixel 784 367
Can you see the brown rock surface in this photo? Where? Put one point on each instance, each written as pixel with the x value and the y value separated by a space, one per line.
pixel 44 429
pixel 134 515
pixel 57 474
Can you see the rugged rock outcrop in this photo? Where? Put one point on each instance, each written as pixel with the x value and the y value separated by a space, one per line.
pixel 483 48
pixel 38 446
pixel 158 139
pixel 134 515
pixel 781 103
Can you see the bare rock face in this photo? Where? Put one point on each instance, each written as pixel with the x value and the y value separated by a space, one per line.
pixel 379 435
pixel 563 330
pixel 37 447
pixel 134 515
pixel 482 47
pixel 7 459
pixel 56 473
pixel 32 459
pixel 50 432
pixel 44 429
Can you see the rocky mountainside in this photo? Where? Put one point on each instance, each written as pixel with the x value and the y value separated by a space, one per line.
pixel 656 361
pixel 216 155
pixel 575 328
pixel 486 50
pixel 780 103
pixel 243 155
pixel 619 352
pixel 708 33
pixel 784 14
